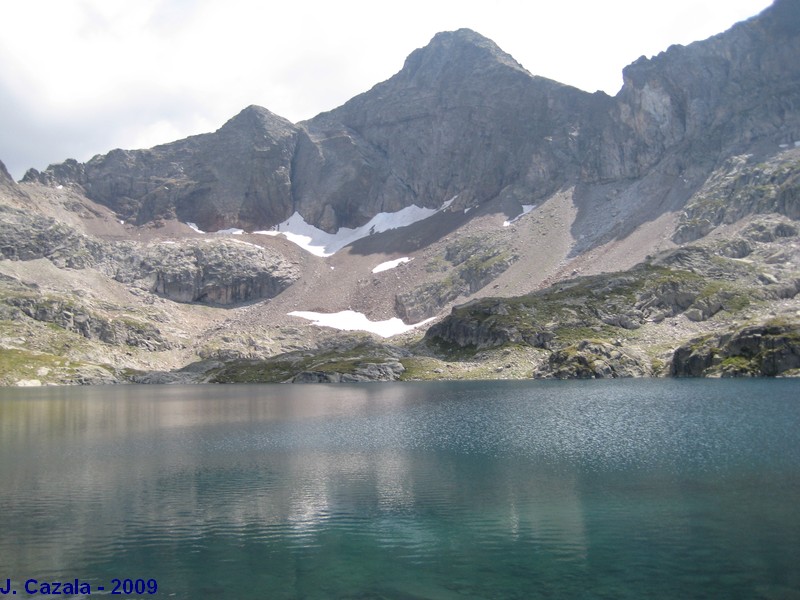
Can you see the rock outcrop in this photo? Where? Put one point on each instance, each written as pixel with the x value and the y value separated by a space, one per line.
pixel 218 271
pixel 767 350
pixel 590 325
pixel 215 271
pixel 489 324
pixel 743 186
pixel 388 371
pixel 473 263
pixel 594 360
pixel 27 236
pixel 89 324
pixel 6 181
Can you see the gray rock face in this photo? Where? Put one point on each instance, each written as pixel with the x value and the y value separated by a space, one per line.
pixel 477 262
pixel 28 236
pixel 464 118
pixel 239 175
pixel 755 351
pixel 5 178
pixel 461 117
pixel 217 271
pixel 743 186
pixel 92 326
pixel 388 371
pixel 214 271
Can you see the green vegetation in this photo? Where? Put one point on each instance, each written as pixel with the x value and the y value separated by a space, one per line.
pixel 736 365
pixel 17 364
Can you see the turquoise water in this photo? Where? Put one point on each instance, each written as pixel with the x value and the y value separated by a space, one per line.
pixel 618 489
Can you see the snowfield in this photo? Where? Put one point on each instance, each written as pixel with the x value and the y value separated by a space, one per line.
pixel 322 243
pixel 350 320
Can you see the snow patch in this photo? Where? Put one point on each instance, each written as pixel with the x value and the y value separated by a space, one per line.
pixel 350 320
pixel 797 144
pixel 390 264
pixel 324 244
pixel 447 204
pixel 321 243
pixel 526 208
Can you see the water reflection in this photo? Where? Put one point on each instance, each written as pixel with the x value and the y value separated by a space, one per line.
pixel 429 489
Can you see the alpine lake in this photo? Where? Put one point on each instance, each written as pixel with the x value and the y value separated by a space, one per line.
pixel 451 490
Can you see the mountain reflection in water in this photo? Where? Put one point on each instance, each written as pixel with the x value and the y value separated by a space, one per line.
pixel 484 489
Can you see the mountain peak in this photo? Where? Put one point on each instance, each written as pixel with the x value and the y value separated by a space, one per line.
pixel 461 50
pixel 255 119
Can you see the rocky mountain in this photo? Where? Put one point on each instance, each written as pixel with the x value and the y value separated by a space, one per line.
pixel 462 181
pixel 462 118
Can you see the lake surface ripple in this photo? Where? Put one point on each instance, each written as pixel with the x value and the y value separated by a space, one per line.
pixel 606 489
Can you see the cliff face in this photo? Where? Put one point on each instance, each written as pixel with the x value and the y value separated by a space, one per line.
pixel 735 92
pixel 238 176
pixel 463 119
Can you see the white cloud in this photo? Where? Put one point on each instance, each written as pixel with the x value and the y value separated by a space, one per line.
pixel 128 74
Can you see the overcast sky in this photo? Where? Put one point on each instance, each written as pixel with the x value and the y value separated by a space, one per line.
pixel 81 77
